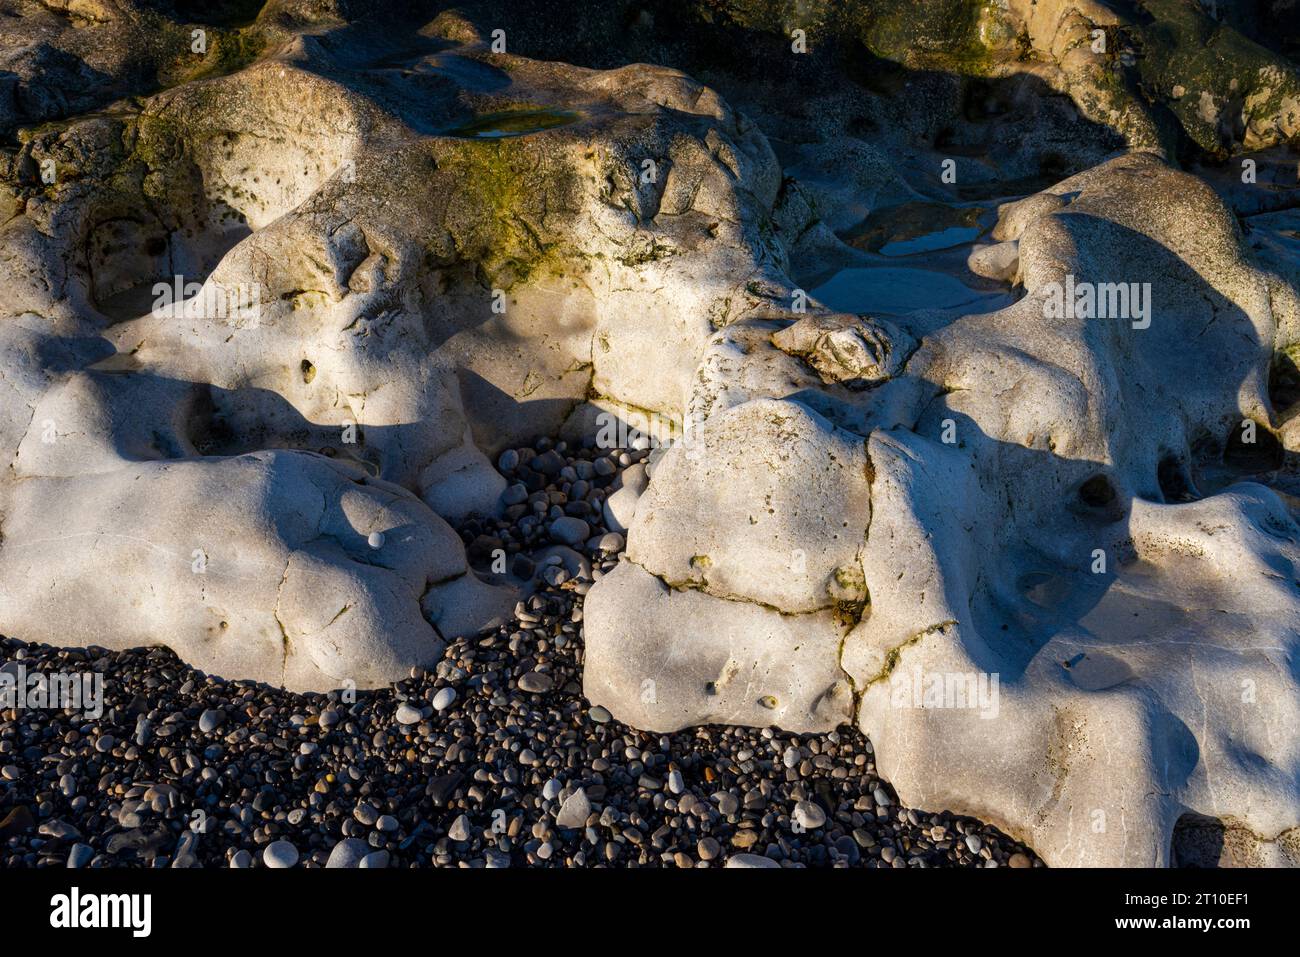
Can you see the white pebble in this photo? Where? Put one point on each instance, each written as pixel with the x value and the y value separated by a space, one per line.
pixel 443 699
pixel 280 854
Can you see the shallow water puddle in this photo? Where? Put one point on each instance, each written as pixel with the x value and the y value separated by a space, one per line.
pixel 467 73
pixel 1281 229
pixel 512 123
pixel 911 228
pixel 898 290
pixel 930 242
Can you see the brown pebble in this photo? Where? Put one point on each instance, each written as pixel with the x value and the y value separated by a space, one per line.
pixel 18 821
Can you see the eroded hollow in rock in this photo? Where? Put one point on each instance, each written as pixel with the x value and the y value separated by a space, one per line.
pixel 1098 492
pixel 133 261
pixel 1198 841
pixel 1175 480
pixel 1252 448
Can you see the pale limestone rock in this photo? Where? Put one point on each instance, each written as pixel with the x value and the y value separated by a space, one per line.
pixel 688 658
pixel 770 504
pixel 999 261
pixel 851 349
pixel 378 285
pixel 620 508
pixel 257 565
pixel 1029 525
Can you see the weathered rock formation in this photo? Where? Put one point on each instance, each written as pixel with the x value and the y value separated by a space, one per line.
pixel 986 403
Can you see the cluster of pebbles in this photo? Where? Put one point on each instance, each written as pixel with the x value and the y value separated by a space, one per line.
pixel 491 758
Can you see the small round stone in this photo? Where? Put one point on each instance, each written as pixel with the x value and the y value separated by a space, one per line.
pixel 676 783
pixel 535 682
pixel 610 543
pixel 569 530
pixel 280 854
pixel 347 853
pixel 443 699
pixel 809 815
pixel 80 855
pixel 728 803
pixel 375 540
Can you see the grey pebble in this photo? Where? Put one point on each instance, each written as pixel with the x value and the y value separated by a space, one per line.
pixel 443 699
pixel 460 829
pixel 535 682
pixel 347 853
pixel 569 530
pixel 80 855
pixel 574 811
pixel 809 815
pixel 280 854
